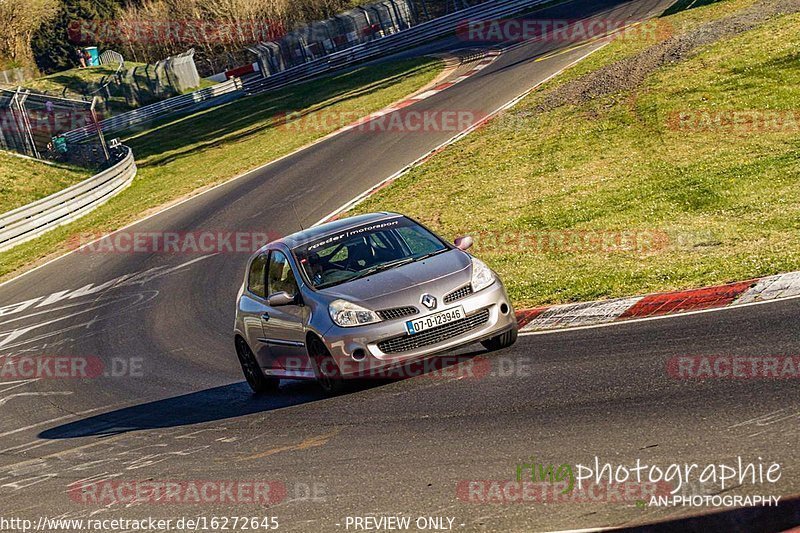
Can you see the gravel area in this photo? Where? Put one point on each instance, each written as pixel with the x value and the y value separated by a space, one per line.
pixel 631 72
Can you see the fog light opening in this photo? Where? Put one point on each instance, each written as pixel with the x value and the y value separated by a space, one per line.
pixel 359 355
pixel 504 309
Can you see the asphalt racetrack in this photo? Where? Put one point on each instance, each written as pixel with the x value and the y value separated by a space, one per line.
pixel 175 406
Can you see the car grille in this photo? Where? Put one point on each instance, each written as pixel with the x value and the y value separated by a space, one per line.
pixel 435 335
pixel 463 292
pixel 397 312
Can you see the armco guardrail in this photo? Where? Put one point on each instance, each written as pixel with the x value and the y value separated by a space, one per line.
pixel 32 220
pixel 183 103
pixel 234 87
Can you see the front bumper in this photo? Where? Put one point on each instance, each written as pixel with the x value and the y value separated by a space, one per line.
pixel 488 314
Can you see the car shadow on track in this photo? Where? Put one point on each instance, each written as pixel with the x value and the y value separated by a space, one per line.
pixel 209 405
pixel 229 401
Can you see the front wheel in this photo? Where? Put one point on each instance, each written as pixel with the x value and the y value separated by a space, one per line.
pixel 504 340
pixel 325 368
pixel 255 377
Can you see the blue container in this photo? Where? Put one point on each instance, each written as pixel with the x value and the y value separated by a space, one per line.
pixel 94 60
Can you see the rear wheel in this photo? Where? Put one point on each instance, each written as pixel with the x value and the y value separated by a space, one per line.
pixel 255 377
pixel 325 368
pixel 504 340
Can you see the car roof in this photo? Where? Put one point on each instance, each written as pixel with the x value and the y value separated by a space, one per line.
pixel 317 232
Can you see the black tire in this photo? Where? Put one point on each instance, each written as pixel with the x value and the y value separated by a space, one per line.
pixel 255 377
pixel 504 340
pixel 328 375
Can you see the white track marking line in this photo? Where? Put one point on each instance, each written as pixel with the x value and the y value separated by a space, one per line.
pixel 28 446
pixel 426 94
pixel 5 399
pixel 52 420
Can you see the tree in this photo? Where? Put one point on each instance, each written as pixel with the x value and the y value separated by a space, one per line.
pixel 54 42
pixel 19 19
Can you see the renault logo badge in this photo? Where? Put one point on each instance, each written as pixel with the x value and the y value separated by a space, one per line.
pixel 428 301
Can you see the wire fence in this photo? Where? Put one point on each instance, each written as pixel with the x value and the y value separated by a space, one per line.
pixel 187 103
pixel 34 124
pixel 391 43
pixel 318 39
pixel 15 76
pixel 110 57
pixel 137 85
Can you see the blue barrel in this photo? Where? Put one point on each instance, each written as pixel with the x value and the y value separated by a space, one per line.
pixel 94 55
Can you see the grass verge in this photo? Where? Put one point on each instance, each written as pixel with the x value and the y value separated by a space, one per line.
pixel 182 156
pixel 76 80
pixel 23 181
pixel 623 194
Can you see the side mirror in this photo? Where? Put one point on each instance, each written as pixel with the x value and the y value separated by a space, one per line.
pixel 276 299
pixel 464 243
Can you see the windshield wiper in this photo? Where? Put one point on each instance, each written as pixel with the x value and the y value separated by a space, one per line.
pixel 426 256
pixel 380 268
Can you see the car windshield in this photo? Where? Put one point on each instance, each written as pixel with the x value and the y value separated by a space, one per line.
pixel 364 250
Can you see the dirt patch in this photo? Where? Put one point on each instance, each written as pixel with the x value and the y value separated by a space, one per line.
pixel 629 73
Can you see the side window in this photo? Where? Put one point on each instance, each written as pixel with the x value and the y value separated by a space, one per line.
pixel 280 276
pixel 255 279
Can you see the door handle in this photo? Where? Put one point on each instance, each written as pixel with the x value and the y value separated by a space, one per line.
pixel 265 317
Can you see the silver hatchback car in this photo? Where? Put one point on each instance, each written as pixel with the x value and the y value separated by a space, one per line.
pixel 359 296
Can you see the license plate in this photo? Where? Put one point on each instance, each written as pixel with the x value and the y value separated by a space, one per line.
pixel 435 319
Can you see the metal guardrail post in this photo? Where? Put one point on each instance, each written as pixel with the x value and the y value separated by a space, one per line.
pixel 24 122
pixel 99 129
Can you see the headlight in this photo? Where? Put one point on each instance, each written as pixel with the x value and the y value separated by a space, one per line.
pixel 348 314
pixel 482 275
